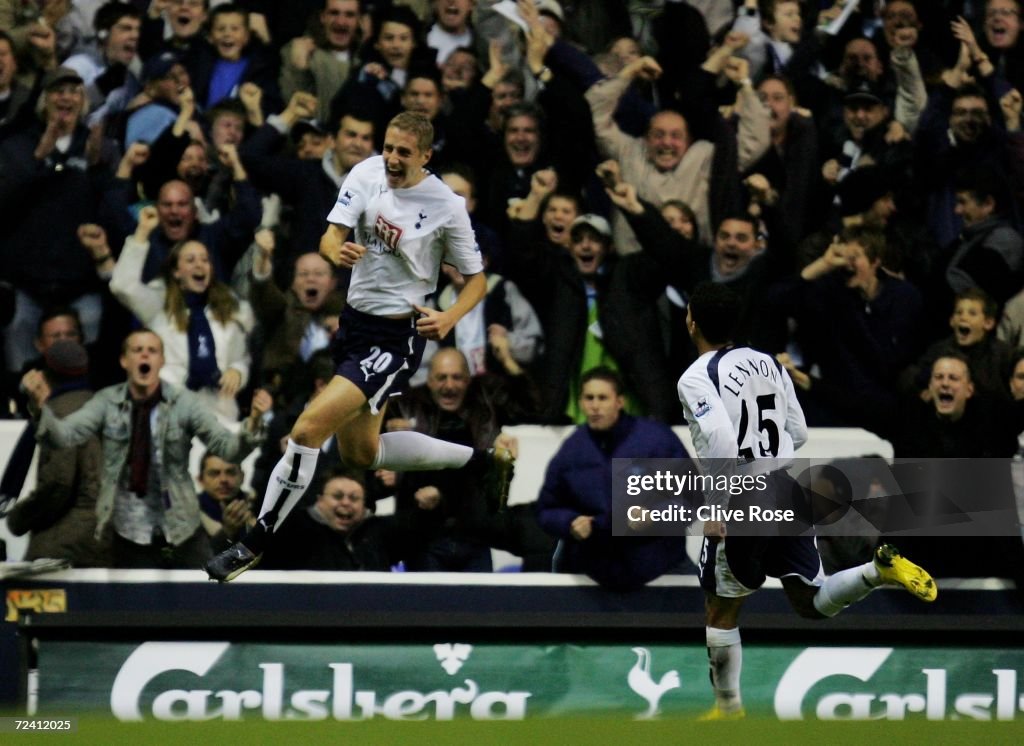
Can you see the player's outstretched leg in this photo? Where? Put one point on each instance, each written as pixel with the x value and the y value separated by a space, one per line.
pixel 895 569
pixel 887 568
pixel 411 451
pixel 288 483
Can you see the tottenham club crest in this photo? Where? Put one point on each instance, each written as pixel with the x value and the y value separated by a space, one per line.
pixel 389 233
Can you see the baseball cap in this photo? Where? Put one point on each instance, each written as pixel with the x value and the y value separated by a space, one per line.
pixel 60 75
pixel 67 359
pixel 594 222
pixel 864 92
pixel 303 126
pixel 551 8
pixel 508 9
pixel 159 66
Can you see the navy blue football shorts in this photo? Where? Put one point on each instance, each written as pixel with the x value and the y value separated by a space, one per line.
pixel 737 566
pixel 377 354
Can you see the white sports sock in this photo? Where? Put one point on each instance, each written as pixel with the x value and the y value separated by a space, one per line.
pixel 289 480
pixel 411 451
pixel 725 659
pixel 846 587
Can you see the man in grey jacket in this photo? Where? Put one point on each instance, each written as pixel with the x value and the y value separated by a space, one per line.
pixel 147 497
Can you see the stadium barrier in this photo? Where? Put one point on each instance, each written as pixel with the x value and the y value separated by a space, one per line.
pixel 168 645
pixel 537 444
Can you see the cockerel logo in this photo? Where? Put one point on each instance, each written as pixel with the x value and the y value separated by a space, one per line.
pixel 640 681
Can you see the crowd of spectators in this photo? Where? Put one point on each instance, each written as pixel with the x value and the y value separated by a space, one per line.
pixel 855 176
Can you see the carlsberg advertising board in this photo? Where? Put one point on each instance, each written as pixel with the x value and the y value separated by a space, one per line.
pixel 232 681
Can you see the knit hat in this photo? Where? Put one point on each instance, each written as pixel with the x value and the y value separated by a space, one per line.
pixel 67 359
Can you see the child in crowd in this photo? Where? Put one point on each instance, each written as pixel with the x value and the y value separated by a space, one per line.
pixel 973 322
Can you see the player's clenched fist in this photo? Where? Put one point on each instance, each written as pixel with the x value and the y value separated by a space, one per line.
pixel 339 252
pixel 350 254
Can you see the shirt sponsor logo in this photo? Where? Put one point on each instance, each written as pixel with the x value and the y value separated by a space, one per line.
pixel 389 233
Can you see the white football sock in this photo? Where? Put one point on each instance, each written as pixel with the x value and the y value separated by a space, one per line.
pixel 289 481
pixel 846 587
pixel 725 659
pixel 412 451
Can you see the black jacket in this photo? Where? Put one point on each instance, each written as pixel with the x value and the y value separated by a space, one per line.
pixel 304 543
pixel 626 290
pixel 42 203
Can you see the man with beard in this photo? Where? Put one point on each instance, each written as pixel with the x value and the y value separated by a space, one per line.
pixel 309 187
pixel 319 64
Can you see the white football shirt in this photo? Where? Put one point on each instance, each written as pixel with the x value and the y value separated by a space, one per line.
pixel 407 233
pixel 741 404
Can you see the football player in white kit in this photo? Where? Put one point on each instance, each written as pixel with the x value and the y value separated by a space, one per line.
pixel 742 408
pixel 406 222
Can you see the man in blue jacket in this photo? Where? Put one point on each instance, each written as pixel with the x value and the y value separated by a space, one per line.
pixel 575 503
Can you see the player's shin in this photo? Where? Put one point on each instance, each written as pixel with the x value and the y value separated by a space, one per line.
pixel 412 451
pixel 844 588
pixel 288 483
pixel 725 659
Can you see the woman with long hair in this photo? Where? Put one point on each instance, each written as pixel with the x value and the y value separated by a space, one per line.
pixel 203 325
